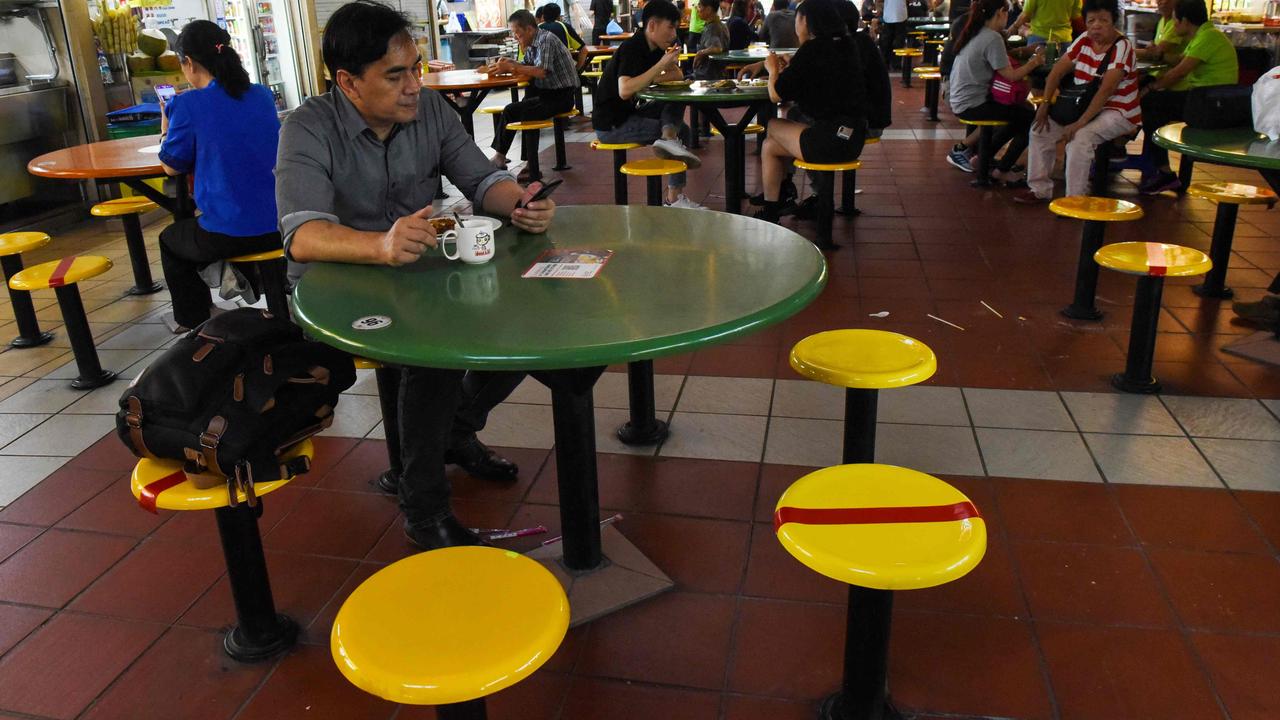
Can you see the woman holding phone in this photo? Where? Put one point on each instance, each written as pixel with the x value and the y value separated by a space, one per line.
pixel 223 131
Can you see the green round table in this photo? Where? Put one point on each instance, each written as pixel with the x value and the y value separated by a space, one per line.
pixel 709 102
pixel 749 55
pixel 678 280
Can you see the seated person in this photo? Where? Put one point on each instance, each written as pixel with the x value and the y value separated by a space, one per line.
pixel 740 33
pixel 1208 59
pixel 779 28
pixel 713 41
pixel 1168 44
pixel 563 32
pixel 645 58
pixel 225 129
pixel 553 80
pixel 1048 21
pixel 1113 113
pixel 980 54
pixel 826 81
pixel 357 170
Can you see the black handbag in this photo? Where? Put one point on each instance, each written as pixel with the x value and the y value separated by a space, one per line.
pixel 1219 106
pixel 1074 99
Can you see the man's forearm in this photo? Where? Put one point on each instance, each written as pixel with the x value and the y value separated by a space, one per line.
pixel 324 241
pixel 502 198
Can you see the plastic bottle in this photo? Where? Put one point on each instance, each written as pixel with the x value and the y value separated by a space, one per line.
pixel 104 68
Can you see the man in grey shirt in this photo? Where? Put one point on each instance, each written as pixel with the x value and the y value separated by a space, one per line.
pixel 780 26
pixel 356 173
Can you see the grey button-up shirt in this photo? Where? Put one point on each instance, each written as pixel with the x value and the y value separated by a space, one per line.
pixel 331 166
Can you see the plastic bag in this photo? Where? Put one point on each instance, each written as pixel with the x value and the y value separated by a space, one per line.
pixel 1266 105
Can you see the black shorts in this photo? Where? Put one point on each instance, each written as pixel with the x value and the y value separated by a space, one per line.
pixel 825 142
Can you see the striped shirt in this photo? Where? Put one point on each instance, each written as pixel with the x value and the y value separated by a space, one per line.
pixel 548 53
pixel 1087 59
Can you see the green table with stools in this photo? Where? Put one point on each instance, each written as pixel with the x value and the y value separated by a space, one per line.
pixel 1237 147
pixel 754 99
pixel 722 276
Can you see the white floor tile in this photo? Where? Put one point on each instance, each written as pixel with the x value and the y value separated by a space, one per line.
pixel 726 395
pixel 116 360
pixel 1232 418
pixel 41 396
pixel 806 399
pixel 532 392
pixel 20 474
pixel 715 437
pixel 923 405
pixel 147 336
pixel 12 385
pixel 21 362
pixel 1036 454
pixel 1115 413
pixel 1273 406
pixel 1151 460
pixel 803 441
pixel 1244 464
pixel 101 332
pixel 611 391
pixel 62 435
pixel 928 448
pixel 354 416
pixel 1024 409
pixel 525 426
pixel 14 425
pixel 608 420
pixel 366 384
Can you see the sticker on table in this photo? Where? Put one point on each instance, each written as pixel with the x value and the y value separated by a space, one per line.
pixel 371 322
pixel 149 149
pixel 571 264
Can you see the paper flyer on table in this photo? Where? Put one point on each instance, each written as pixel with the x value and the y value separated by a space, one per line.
pixel 573 264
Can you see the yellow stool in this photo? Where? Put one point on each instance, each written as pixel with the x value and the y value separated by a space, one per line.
pixel 260 632
pixel 863 362
pixel 879 529
pixel 653 170
pixel 932 76
pixel 273 271
pixel 12 245
pixel 619 151
pixel 1152 263
pixel 62 275
pixel 933 46
pixel 751 129
pixel 495 114
pixel 986 148
pixel 1228 197
pixel 561 122
pixel 388 379
pixel 128 209
pixel 483 619
pixel 906 54
pixel 529 131
pixel 1096 212
pixel 825 177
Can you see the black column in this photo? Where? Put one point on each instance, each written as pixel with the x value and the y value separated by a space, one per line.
pixel 389 400
pixel 1137 376
pixel 573 413
pixel 91 374
pixel 864 692
pixel 860 425
pixel 1082 306
pixel 142 282
pixel 1224 228
pixel 24 313
pixel 260 632
pixel 644 427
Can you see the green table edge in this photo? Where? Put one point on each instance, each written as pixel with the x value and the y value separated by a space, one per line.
pixel 1169 137
pixel 684 95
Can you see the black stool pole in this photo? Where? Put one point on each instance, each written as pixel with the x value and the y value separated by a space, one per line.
pixel 24 313
pixel 1137 376
pixel 142 282
pixel 562 159
pixel 644 427
pixel 849 193
pixel 573 415
pixel 986 154
pixel 826 209
pixel 272 274
pixel 653 186
pixel 864 692
pixel 931 92
pixel 388 379
pixel 469 710
pixel 1224 228
pixel 529 146
pixel 1101 170
pixel 860 425
pixel 260 632
pixel 619 180
pixel 1082 307
pixel 906 71
pixel 91 373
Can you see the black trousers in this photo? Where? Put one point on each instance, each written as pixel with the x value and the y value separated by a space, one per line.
pixel 537 105
pixel 892 35
pixel 1017 133
pixel 185 248
pixel 597 31
pixel 438 408
pixel 1160 108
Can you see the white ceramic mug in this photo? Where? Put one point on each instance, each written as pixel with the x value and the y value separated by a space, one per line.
pixel 475 240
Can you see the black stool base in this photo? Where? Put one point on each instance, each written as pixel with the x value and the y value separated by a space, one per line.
pixel 1220 293
pixel 89 383
pixel 832 710
pixel 1124 383
pixel 388 482
pixel 238 648
pixel 1076 312
pixel 154 287
pixel 643 434
pixel 30 342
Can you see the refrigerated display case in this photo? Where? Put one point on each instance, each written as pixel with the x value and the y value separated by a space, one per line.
pixel 260 34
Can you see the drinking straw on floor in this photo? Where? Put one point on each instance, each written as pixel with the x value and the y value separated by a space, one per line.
pixel 607 521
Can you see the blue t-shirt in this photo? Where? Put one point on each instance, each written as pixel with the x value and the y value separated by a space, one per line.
pixel 230 145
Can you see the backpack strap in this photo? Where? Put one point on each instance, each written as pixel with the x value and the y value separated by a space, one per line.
pixel 209 440
pixel 133 420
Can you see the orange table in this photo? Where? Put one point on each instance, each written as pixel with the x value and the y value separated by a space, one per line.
pixel 470 85
pixel 598 50
pixel 129 161
pixel 616 38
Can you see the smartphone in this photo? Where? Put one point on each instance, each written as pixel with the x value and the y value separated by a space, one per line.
pixel 538 191
pixel 165 93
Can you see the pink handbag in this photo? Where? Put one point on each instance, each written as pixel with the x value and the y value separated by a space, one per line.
pixel 1009 93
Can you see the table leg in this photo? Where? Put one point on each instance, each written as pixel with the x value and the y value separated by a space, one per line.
pixel 1215 281
pixel 180 207
pixel 734 155
pixel 573 415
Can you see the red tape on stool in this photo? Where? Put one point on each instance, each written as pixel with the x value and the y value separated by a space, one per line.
pixel 59 276
pixel 873 515
pixel 151 491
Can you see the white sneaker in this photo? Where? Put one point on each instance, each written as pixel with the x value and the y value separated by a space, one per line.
pixel 675 150
pixel 684 202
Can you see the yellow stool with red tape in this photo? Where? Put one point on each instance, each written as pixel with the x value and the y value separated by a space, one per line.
pixel 63 275
pixel 12 245
pixel 1096 212
pixel 1152 263
pixel 260 632
pixel 129 210
pixel 877 528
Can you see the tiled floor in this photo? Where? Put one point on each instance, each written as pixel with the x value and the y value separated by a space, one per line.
pixel 1131 572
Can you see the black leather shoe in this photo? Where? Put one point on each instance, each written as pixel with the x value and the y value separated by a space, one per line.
pixel 442 533
pixel 388 482
pixel 479 461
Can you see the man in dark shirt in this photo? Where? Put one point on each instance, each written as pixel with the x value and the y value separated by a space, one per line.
pixel 601 12
pixel 356 173
pixel 740 33
pixel 649 56
pixel 780 26
pixel 552 77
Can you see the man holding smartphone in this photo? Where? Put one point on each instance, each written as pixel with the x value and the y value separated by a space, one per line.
pixel 356 173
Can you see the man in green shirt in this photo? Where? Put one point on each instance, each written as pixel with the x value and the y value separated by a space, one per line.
pixel 1167 46
pixel 1208 59
pixel 1050 20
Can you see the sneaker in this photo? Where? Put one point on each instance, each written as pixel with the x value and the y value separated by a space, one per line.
pixel 1263 312
pixel 1159 183
pixel 959 160
pixel 684 202
pixel 675 150
pixel 1026 197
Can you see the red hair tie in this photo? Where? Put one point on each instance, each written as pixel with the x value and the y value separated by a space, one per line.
pixel 218 47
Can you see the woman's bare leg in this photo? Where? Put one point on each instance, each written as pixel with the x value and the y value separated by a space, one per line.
pixel 782 146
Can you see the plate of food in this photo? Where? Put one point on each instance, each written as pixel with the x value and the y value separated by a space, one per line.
pixel 722 86
pixel 675 84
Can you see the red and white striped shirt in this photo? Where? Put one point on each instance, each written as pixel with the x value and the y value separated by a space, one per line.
pixel 1087 59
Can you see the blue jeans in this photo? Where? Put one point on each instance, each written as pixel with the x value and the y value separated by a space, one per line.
pixel 645 125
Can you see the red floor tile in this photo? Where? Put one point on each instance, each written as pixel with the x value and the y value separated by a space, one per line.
pixel 1221 591
pixel 1189 518
pixel 699 555
pixel 1124 674
pixel 356 471
pixel 17 621
pixel 13 537
pixel 530 461
pixel 740 707
pixel 106 454
pixel 1097 584
pixel 62 667
pixel 787 650
pixel 773 573
pixel 733 361
pixel 66 489
pixel 306 685
pixel 989 589
pixel 300 584
pixel 53 568
pixel 394 544
pixel 1263 509
pixel 537 697
pixel 156 582
pixel 774 480
pixel 340 524
pixel 184 675
pixel 200 527
pixel 590 699
pixel 638 643
pixel 1064 511
pixel 114 511
pixel 1245 673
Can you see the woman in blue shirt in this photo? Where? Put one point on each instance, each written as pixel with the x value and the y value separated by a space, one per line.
pixel 224 131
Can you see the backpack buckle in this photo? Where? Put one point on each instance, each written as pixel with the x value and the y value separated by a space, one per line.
pixel 242 481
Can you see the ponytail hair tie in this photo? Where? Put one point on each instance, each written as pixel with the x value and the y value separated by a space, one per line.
pixel 218 48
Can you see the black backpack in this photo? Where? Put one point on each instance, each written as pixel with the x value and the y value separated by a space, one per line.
pixel 231 395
